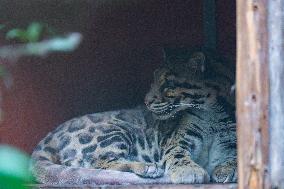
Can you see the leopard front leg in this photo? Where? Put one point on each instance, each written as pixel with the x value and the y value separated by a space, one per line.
pixel 182 169
pixel 146 170
pixel 223 156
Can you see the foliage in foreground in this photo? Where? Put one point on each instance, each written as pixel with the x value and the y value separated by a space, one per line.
pixel 14 164
pixel 14 168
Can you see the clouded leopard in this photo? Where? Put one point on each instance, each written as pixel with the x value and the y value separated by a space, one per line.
pixel 185 132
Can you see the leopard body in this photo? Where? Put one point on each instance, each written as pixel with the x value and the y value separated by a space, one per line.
pixel 185 132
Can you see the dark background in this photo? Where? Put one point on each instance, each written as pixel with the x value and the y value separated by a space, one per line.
pixel 113 67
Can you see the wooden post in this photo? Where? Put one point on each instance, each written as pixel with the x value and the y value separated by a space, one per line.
pixel 276 58
pixel 252 93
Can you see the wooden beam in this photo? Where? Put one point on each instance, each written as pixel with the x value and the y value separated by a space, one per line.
pixel 276 57
pixel 252 93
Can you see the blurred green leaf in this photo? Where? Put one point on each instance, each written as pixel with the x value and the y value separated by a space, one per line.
pixel 34 31
pixel 8 182
pixel 18 34
pixel 14 168
pixel 31 34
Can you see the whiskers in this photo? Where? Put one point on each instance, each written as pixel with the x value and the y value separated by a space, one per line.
pixel 160 105
pixel 160 110
pixel 167 108
pixel 198 106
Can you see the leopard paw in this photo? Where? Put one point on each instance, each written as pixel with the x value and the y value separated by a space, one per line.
pixel 225 173
pixel 154 171
pixel 151 170
pixel 189 174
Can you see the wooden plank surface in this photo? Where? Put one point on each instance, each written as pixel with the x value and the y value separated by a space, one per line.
pixel 276 57
pixel 252 93
pixel 166 186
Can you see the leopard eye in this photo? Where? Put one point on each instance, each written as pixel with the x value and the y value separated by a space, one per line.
pixel 169 93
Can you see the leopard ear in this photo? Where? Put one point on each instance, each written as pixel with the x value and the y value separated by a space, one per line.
pixel 198 56
pixel 159 74
pixel 156 74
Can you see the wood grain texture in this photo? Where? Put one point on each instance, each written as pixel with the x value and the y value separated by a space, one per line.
pixel 252 93
pixel 167 186
pixel 276 67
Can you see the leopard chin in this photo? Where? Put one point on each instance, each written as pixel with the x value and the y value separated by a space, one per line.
pixel 165 115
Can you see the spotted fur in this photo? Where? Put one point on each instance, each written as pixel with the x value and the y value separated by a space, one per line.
pixel 184 134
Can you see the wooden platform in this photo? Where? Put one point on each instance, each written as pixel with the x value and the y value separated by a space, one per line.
pixel 166 186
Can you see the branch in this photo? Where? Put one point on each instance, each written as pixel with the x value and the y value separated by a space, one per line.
pixel 59 44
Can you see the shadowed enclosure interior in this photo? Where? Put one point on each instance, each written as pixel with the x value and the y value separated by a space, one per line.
pixel 113 66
